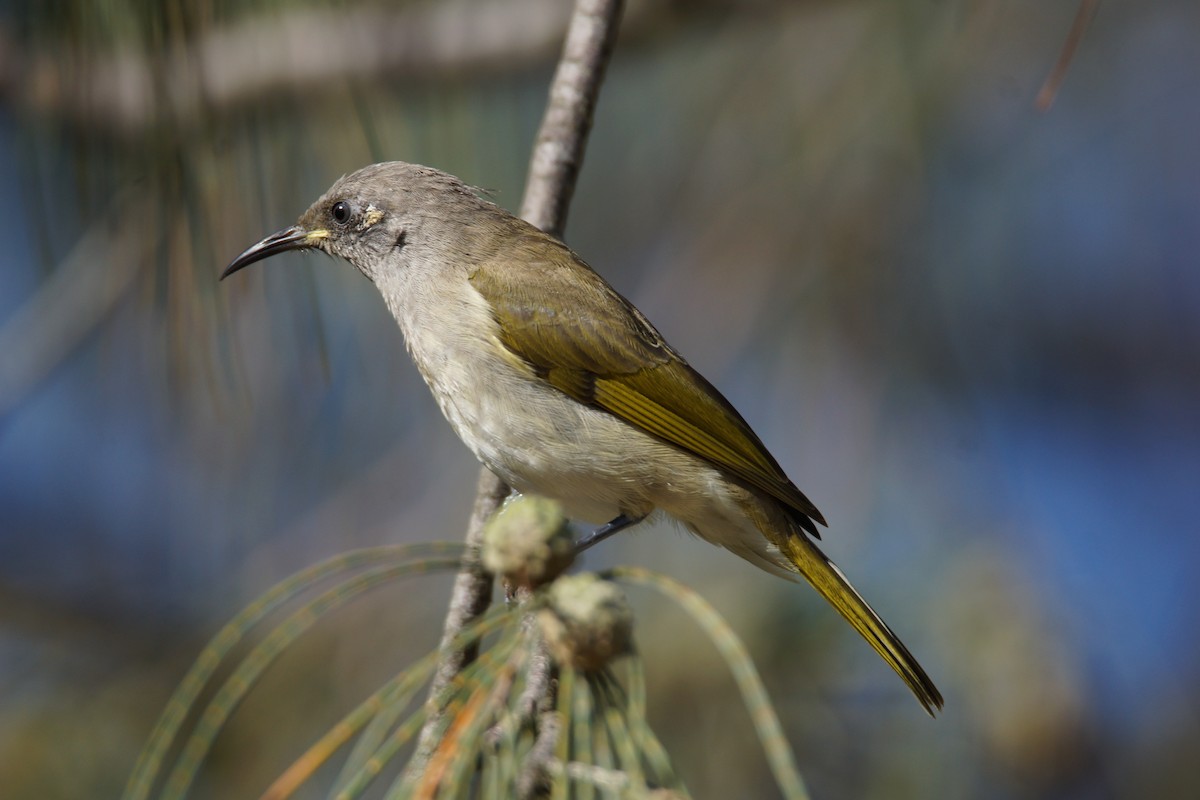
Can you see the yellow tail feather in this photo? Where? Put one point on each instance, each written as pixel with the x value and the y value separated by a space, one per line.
pixel 827 579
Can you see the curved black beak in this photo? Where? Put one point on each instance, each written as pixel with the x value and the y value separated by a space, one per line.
pixel 293 238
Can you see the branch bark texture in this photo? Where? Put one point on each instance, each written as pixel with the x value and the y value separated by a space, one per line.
pixel 558 151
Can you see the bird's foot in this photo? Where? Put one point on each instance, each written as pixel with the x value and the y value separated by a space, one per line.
pixel 618 523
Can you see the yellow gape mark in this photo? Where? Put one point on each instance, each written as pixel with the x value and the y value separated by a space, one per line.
pixel 371 216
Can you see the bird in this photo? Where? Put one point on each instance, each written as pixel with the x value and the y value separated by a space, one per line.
pixel 563 388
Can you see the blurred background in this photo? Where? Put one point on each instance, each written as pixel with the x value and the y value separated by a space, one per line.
pixel 968 329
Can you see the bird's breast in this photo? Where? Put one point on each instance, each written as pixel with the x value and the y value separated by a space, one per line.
pixel 535 437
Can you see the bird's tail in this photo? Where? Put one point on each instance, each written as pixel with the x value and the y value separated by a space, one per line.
pixel 827 579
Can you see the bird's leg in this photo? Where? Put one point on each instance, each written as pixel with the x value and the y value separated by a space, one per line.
pixel 618 523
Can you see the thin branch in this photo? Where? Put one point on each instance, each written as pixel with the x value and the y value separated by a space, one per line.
pixel 129 89
pixel 124 91
pixel 558 153
pixel 471 596
pixel 535 769
pixel 473 586
pixel 1049 90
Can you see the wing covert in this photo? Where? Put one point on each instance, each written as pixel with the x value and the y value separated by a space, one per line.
pixel 604 353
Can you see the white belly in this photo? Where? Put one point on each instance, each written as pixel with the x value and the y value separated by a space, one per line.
pixel 543 442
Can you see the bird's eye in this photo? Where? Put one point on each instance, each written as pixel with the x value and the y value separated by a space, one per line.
pixel 340 212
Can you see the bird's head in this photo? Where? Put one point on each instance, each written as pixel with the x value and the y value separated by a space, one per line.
pixel 374 217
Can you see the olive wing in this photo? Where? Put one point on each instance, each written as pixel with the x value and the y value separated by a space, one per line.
pixel 591 343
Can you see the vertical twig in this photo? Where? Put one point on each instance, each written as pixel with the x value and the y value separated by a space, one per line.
pixel 534 772
pixel 558 150
pixel 1049 90
pixel 472 592
pixel 554 166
